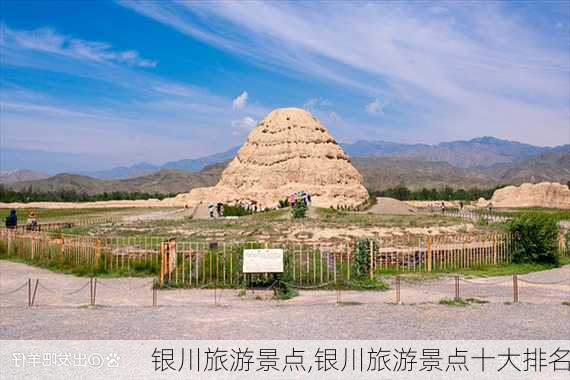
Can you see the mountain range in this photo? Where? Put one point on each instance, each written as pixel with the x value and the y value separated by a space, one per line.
pixel 480 152
pixel 12 176
pixel 164 181
pixel 482 162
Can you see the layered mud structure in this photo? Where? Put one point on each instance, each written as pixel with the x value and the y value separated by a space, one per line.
pixel 289 151
pixel 544 194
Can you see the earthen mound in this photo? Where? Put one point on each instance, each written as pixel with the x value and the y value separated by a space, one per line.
pixel 545 194
pixel 289 151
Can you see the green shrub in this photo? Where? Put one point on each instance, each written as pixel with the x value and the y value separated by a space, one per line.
pixel 236 210
pixel 361 261
pixel 299 211
pixel 284 203
pixel 535 238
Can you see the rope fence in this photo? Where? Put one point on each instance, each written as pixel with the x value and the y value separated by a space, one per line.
pixel 217 292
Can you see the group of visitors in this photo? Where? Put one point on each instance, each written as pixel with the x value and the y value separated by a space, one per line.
pixel 11 221
pixel 218 208
pixel 251 205
pixel 434 207
pixel 300 197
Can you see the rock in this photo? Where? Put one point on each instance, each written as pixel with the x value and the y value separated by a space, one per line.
pixel 544 194
pixel 289 151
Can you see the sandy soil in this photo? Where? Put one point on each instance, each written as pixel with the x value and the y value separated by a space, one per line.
pixel 391 206
pixel 174 214
pixel 125 311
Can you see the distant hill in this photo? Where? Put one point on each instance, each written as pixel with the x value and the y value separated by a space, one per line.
pixel 381 173
pixel 483 162
pixel 13 176
pixel 478 152
pixel 163 181
pixel 197 164
pixel 143 168
pixel 482 152
pixel 551 167
pixel 120 172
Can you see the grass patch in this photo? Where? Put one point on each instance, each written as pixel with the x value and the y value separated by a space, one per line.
pixel 142 270
pixel 96 306
pixel 57 213
pixel 558 214
pixel 284 292
pixel 269 215
pixel 476 271
pixel 461 302
pixel 505 269
pixel 566 303
pixel 366 284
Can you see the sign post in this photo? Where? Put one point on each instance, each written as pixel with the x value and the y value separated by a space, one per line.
pixel 262 261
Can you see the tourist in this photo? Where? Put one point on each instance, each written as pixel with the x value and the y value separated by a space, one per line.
pixel 211 209
pixel 490 206
pixel 443 207
pixel 12 219
pixel 32 220
pixel 309 197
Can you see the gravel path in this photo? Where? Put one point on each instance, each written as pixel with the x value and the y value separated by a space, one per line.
pixel 125 311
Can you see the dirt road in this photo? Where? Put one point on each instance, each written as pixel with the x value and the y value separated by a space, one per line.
pixel 125 310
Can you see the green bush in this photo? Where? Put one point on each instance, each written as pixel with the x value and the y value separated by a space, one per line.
pixel 535 238
pixel 236 210
pixel 361 261
pixel 300 210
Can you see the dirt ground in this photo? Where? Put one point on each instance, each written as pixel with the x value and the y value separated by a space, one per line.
pixel 391 206
pixel 124 310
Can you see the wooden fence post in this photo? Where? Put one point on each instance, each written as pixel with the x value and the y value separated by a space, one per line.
pixel 162 262
pixel 29 292
pixel 398 290
pixel 515 289
pixel 429 256
pixel 62 247
pixel 35 291
pixel 457 287
pixel 371 253
pixel 494 249
pixel 33 248
pixel 97 252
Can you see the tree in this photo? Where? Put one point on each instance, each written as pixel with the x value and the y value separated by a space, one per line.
pixel 535 237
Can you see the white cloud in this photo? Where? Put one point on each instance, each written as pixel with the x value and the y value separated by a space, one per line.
pixel 46 40
pixel 445 64
pixel 240 102
pixel 243 125
pixel 314 103
pixel 375 107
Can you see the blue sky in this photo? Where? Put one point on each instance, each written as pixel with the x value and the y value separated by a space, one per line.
pixel 90 85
